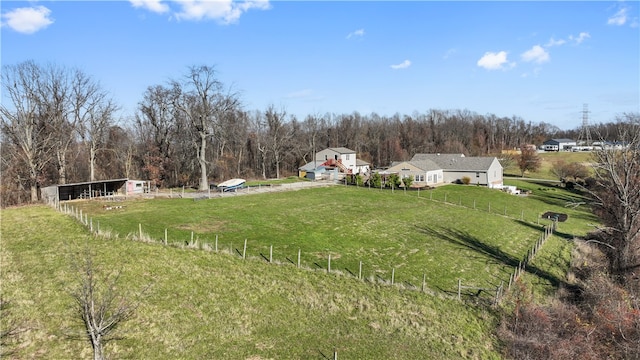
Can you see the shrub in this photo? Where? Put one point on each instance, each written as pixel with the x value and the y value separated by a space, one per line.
pixel 466 180
pixel 376 180
pixel 407 181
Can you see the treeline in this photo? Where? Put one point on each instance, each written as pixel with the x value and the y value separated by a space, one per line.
pixel 59 126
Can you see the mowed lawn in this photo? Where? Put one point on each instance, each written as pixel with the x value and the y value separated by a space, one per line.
pixel 467 233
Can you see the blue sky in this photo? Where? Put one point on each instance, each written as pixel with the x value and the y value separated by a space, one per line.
pixel 539 60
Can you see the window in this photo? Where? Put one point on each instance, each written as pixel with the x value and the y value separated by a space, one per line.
pixel 346 157
pixel 419 178
pixel 477 174
pixel 430 178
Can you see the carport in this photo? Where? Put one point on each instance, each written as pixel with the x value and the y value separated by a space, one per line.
pixel 83 190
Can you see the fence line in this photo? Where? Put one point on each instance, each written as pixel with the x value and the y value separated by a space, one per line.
pixel 193 243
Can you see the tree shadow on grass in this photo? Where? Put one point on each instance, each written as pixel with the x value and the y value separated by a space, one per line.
pixel 467 241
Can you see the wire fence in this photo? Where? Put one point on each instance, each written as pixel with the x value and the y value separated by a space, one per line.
pixel 285 257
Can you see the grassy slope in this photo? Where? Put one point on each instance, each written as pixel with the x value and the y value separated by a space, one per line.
pixel 206 305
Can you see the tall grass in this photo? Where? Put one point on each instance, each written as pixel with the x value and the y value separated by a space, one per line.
pixel 204 305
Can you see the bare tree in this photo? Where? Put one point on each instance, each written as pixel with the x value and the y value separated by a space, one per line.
pixel 204 102
pixel 279 135
pixel 100 305
pixel 157 123
pixel 616 199
pixel 54 94
pixel 10 329
pixel 94 111
pixel 23 122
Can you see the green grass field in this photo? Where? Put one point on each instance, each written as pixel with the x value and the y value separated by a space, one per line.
pixel 204 304
pixel 547 159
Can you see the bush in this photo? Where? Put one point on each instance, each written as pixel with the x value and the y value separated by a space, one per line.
pixel 594 319
pixel 407 181
pixel 394 181
pixel 466 180
pixel 376 180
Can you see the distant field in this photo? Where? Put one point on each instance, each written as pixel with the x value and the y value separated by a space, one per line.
pixel 548 159
pixel 208 305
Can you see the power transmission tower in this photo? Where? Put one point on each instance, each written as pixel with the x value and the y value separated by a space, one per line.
pixel 585 133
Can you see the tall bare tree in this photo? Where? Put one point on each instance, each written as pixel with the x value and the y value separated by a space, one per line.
pixel 23 120
pixel 616 196
pixel 157 123
pixel 279 135
pixel 204 102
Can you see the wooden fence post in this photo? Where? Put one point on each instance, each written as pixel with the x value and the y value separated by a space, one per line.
pixel 244 249
pixel 165 236
pixel 298 258
pixel 459 288
pixel 424 281
pixel 216 242
pixel 329 264
pixel 270 254
pixel 360 271
pixel 393 275
pixel 140 230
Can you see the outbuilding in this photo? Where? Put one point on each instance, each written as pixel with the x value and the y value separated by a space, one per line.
pixel 558 145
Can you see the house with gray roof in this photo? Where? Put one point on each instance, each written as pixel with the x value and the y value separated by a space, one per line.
pixel 424 172
pixel 485 171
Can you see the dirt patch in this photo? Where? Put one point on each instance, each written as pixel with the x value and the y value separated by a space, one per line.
pixel 204 227
pixel 560 217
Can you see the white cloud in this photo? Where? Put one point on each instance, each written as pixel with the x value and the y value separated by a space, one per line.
pixel 580 38
pixel 619 18
pixel 156 6
pixel 554 42
pixel 536 54
pixel 28 20
pixel 493 61
pixel 449 53
pixel 357 33
pixel 225 11
pixel 403 65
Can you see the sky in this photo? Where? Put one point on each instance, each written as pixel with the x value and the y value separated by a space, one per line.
pixel 540 60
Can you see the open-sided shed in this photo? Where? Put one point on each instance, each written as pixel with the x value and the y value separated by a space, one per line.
pixel 84 190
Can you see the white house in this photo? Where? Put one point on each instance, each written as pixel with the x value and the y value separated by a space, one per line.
pixel 341 157
pixel 485 171
pixel 424 172
pixel 558 144
pixel 334 163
